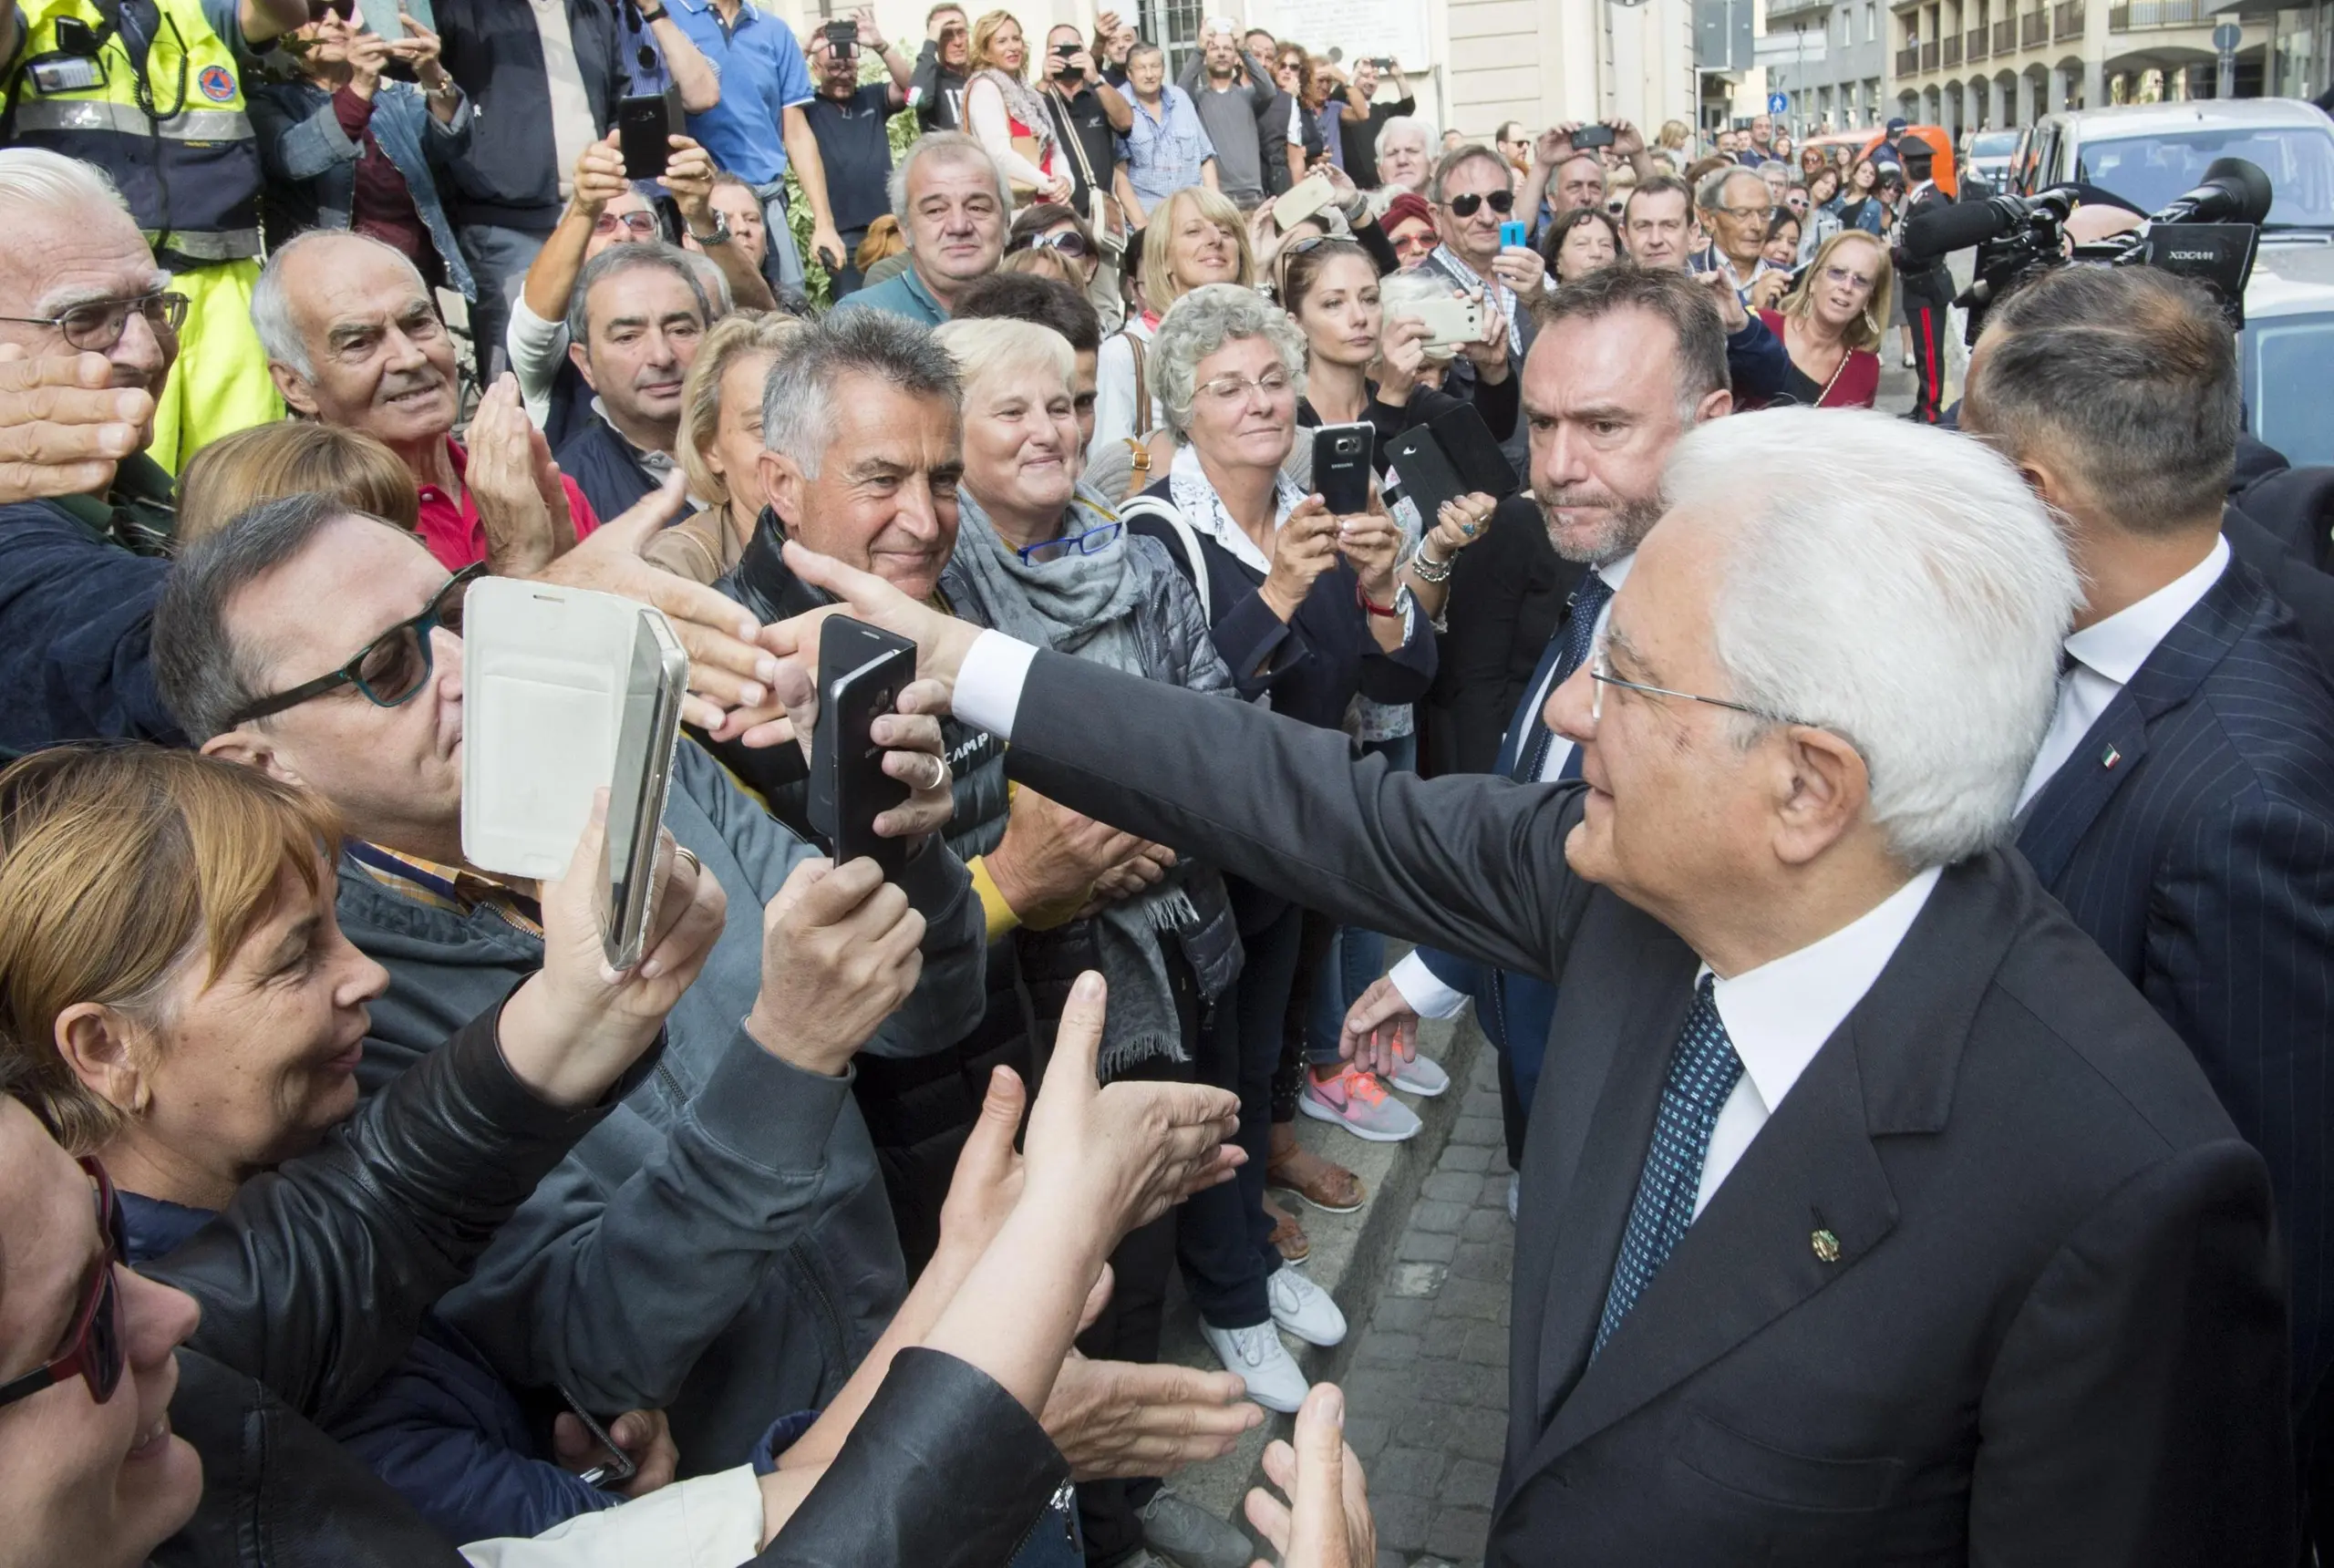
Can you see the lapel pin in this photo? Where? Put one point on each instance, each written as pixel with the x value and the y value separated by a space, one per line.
pixel 2109 758
pixel 1826 1245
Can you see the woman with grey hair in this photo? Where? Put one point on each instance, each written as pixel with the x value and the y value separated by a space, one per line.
pixel 1044 559
pixel 1307 609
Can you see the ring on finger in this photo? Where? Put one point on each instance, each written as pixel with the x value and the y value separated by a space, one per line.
pixel 939 774
pixel 684 853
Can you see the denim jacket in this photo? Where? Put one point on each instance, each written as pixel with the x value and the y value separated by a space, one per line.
pixel 310 159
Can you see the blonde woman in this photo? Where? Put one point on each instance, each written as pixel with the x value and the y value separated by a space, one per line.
pixel 1007 114
pixel 720 435
pixel 267 462
pixel 1195 237
pixel 1832 324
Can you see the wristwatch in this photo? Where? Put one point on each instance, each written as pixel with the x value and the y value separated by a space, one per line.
pixel 720 235
pixel 650 18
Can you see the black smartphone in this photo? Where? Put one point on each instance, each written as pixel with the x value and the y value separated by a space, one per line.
pixel 1590 137
pixel 1341 467
pixel 76 37
pixel 620 1467
pixel 843 37
pixel 644 126
pixel 1467 441
pixel 862 671
pixel 1426 472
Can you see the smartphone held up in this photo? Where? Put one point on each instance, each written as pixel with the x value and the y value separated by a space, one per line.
pixel 568 692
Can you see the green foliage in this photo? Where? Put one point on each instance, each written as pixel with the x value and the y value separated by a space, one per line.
pixel 902 131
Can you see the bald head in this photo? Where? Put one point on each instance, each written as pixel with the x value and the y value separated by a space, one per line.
pixel 354 340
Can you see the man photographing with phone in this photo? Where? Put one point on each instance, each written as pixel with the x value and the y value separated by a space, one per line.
pixel 847 118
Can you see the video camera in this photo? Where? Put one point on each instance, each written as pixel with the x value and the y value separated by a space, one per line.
pixel 2208 234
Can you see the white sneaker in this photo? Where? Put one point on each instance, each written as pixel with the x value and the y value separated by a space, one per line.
pixel 1263 1362
pixel 1304 1308
pixel 1420 1075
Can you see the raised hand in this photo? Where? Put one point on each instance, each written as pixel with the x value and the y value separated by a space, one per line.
pixel 840 951
pixel 1326 1523
pixel 522 504
pixel 576 1024
pixel 599 176
pixel 62 424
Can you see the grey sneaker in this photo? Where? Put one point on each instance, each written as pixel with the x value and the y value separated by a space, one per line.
pixel 1183 1532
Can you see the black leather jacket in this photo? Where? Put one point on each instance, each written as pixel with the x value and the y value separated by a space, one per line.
pixel 946 1469
pixel 312 1284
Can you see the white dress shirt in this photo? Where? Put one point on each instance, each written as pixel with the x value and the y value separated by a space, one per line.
pixel 2107 654
pixel 1779 1013
pixel 1429 997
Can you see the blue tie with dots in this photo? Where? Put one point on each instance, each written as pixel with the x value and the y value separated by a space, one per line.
pixel 1587 603
pixel 1703 1071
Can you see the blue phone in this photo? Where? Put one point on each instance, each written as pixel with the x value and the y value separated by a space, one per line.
pixel 1513 232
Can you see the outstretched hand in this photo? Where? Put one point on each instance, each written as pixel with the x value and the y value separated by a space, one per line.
pixel 1325 1522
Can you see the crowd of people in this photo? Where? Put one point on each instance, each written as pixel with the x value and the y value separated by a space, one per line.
pixel 1959 801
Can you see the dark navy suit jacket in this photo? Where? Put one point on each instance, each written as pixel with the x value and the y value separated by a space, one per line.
pixel 2192 835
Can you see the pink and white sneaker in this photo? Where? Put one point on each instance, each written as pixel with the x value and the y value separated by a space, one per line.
pixel 1358 1102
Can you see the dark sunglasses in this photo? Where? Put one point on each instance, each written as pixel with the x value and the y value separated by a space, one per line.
pixel 94 1349
pixel 388 670
pixel 1466 206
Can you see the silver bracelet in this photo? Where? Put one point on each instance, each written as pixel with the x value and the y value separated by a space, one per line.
pixel 1433 573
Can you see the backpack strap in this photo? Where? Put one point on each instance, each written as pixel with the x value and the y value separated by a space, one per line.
pixel 1166 512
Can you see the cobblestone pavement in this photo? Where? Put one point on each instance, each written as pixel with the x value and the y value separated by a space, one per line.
pixel 1426 1398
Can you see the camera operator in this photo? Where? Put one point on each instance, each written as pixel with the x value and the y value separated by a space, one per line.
pixel 2182 806
pixel 1926 288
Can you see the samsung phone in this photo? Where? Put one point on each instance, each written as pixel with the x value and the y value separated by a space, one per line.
pixel 1303 200
pixel 1589 138
pixel 1474 455
pixel 862 669
pixel 1428 476
pixel 548 678
pixel 1513 232
pixel 1341 467
pixel 644 126
pixel 1450 323
pixel 647 732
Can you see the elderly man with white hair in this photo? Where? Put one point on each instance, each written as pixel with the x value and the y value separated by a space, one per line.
pixel 1869 1211
pixel 953 202
pixel 1405 159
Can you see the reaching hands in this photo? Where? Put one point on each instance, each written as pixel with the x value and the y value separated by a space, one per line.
pixel 840 951
pixel 1325 1522
pixel 62 424
pixel 941 641
pixel 1381 1030
pixel 577 1026
pixel 688 178
pixel 1051 858
pixel 1731 311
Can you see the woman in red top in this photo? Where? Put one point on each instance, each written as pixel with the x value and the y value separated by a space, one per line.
pixel 1008 117
pixel 1832 325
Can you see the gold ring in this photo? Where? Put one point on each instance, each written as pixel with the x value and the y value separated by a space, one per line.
pixel 683 853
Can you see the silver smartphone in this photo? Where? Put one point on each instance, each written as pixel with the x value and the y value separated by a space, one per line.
pixel 649 728
pixel 1450 323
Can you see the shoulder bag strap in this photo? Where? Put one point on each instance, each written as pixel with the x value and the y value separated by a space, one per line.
pixel 1141 387
pixel 1151 506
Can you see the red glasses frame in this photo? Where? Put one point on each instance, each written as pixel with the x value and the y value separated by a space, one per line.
pixel 95 1347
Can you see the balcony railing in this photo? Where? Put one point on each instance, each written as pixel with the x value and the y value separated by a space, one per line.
pixel 1908 60
pixel 2147 13
pixel 1976 49
pixel 1951 55
pixel 1928 56
pixel 2033 28
pixel 2066 21
pixel 2006 37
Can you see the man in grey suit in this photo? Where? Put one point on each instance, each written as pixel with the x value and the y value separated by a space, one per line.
pixel 1868 1213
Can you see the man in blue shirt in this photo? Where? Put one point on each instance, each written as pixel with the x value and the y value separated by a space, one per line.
pixel 760 126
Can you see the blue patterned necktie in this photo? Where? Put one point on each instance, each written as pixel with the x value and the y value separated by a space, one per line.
pixel 1587 603
pixel 1703 1071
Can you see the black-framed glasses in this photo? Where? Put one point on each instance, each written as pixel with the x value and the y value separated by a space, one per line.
pixel 1600 676
pixel 388 670
pixel 96 1346
pixel 1466 204
pixel 98 325
pixel 1091 541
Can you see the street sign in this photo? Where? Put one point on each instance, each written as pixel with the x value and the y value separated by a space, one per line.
pixel 1778 103
pixel 2226 36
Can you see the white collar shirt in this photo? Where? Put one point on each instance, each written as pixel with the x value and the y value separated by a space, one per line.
pixel 1614 573
pixel 2103 656
pixel 1779 1014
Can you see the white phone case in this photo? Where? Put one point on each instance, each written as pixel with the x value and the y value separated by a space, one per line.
pixel 543 677
pixel 1302 201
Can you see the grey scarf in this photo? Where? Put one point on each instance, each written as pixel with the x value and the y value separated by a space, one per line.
pixel 1084 605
